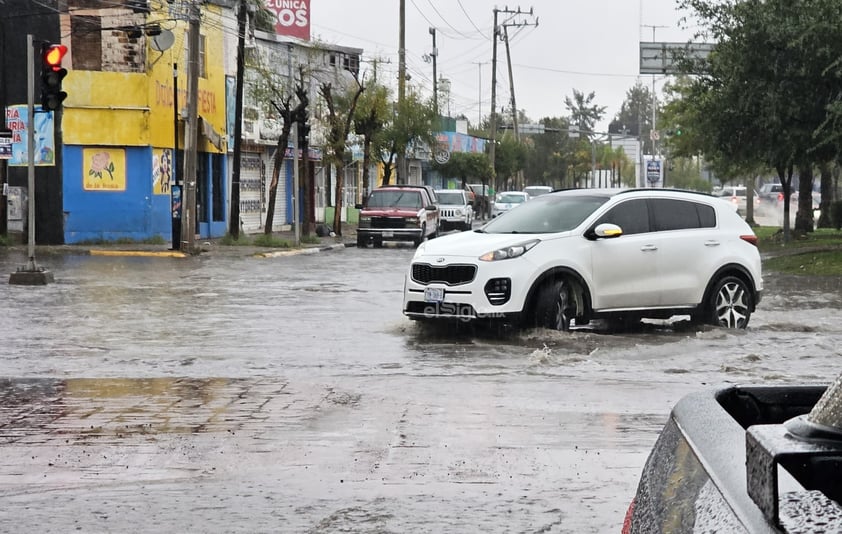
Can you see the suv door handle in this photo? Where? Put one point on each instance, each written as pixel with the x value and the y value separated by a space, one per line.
pixel 647 248
pixel 712 243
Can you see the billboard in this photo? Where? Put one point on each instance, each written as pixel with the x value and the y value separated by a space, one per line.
pixel 17 121
pixel 292 17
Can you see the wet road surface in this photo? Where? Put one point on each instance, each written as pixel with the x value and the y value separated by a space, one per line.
pixel 240 394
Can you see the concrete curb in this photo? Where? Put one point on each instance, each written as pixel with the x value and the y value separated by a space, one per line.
pixel 150 253
pixel 298 251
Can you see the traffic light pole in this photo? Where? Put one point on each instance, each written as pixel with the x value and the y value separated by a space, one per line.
pixel 31 274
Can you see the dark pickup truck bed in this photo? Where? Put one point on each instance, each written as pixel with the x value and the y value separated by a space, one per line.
pixel 727 461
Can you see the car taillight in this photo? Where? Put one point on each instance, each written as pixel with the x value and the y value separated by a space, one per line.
pixel 749 239
pixel 780 196
pixel 734 200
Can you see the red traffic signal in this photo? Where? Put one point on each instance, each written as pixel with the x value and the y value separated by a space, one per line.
pixel 52 74
pixel 52 55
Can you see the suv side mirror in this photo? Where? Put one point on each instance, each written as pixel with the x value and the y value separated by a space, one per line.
pixel 431 207
pixel 604 231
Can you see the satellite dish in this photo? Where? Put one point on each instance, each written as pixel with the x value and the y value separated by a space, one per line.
pixel 163 41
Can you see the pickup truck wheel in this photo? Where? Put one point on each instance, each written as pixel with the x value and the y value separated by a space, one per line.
pixel 555 306
pixel 729 304
pixel 418 240
pixel 361 241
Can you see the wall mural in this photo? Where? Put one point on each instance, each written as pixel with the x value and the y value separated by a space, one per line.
pixel 161 171
pixel 104 169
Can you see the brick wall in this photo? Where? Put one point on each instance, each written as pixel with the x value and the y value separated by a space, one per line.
pixel 101 38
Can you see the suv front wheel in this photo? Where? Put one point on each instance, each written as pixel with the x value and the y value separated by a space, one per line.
pixel 555 306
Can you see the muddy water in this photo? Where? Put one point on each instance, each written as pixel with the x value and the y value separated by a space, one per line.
pixel 290 395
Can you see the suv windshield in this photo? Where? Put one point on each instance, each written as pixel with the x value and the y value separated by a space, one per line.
pixel 451 198
pixel 394 199
pixel 547 214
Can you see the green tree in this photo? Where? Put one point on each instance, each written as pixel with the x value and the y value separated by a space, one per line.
pixel 340 113
pixel 549 154
pixel 766 96
pixel 465 166
pixel 635 116
pixel 469 166
pixel 509 159
pixel 414 122
pixel 371 117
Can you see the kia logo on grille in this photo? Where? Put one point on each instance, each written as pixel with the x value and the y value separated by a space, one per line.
pixel 439 260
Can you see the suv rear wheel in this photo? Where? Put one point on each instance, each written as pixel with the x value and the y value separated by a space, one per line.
pixel 730 303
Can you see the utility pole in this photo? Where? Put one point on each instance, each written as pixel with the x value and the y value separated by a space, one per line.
pixel 191 135
pixel 401 170
pixel 176 188
pixel 234 212
pixel 493 119
pixel 31 274
pixel 505 26
pixel 435 78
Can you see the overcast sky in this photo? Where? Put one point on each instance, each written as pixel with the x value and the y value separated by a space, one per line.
pixel 589 45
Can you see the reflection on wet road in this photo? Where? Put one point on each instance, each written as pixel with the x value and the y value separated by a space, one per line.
pixel 290 395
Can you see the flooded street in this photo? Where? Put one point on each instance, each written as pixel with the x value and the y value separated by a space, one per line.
pixel 238 394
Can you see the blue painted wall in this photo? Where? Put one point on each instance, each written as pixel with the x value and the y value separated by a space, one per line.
pixel 134 214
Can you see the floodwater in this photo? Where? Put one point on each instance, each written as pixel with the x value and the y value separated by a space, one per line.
pixel 242 394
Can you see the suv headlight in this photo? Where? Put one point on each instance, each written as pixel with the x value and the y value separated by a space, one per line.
pixel 509 252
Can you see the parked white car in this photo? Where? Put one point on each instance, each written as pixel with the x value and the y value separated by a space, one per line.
pixel 738 196
pixel 507 200
pixel 455 209
pixel 567 257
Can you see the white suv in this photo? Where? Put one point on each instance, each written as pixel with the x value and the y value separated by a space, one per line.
pixel 567 257
pixel 455 209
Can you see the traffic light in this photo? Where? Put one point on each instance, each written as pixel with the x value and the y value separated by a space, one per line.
pixel 52 74
pixel 678 131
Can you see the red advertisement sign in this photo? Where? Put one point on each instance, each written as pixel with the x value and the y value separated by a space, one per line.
pixel 292 17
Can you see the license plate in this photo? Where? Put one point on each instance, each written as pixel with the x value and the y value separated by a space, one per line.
pixel 434 294
pixel 388 234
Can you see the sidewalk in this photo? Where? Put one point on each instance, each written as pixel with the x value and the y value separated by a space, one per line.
pixel 209 247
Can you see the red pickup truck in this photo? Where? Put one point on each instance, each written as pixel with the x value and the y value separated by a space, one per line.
pixel 398 213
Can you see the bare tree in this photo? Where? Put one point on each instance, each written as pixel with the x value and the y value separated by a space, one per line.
pixel 287 114
pixel 339 126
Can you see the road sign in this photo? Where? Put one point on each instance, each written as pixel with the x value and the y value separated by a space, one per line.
pixel 664 58
pixel 653 171
pixel 654 135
